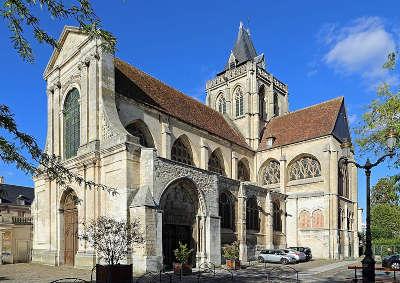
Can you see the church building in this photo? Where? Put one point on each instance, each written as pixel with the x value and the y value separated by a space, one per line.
pixel 241 167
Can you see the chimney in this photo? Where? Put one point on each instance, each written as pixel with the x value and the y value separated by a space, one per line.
pixel 1 180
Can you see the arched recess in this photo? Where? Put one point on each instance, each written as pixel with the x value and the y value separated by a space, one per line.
pixel 304 166
pixel 216 162
pixel 277 216
pixel 71 124
pixel 227 210
pixel 181 205
pixel 140 130
pixel 252 214
pixel 181 150
pixel 317 219
pixel 270 172
pixel 343 181
pixel 304 219
pixel 69 227
pixel 276 104
pixel 243 170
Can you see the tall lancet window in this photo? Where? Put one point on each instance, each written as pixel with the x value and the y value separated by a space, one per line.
pixel 71 124
pixel 276 105
pixel 239 102
pixel 221 104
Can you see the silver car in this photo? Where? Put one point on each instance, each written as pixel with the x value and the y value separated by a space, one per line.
pixel 276 256
pixel 299 256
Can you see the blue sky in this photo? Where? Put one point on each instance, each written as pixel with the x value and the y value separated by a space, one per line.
pixel 321 50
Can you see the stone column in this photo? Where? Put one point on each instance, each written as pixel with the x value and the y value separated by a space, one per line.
pixel 346 231
pixel 234 165
pixel 269 238
pixel 57 120
pixel 228 99
pixel 203 154
pixel 165 139
pixel 213 239
pixel 284 228
pixel 282 174
pixel 241 224
pixel 50 128
pixel 333 213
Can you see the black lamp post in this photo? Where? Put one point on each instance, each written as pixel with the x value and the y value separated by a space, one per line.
pixel 368 263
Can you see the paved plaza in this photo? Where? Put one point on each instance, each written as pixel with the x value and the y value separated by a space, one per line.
pixel 314 271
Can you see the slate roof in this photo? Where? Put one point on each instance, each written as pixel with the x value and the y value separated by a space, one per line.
pixel 304 124
pixel 134 83
pixel 12 192
pixel 244 49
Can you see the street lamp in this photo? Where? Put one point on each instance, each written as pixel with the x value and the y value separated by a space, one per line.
pixel 368 263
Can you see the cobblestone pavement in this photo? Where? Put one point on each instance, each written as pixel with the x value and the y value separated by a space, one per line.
pixel 314 271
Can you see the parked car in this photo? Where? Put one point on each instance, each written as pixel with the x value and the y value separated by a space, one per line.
pixel 391 261
pixel 276 256
pixel 299 256
pixel 305 250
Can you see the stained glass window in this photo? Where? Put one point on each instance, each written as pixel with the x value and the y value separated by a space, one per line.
pixel 239 102
pixel 215 163
pixel 252 214
pixel 71 124
pixel 181 153
pixel 243 172
pixel 304 167
pixel 271 173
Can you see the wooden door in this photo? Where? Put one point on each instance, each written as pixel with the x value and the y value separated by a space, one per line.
pixel 70 231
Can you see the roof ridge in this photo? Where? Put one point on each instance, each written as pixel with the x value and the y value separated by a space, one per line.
pixel 308 107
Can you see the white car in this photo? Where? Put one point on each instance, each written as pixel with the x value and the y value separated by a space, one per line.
pixel 275 256
pixel 299 256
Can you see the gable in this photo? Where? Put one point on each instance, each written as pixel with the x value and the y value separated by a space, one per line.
pixel 69 43
pixel 341 130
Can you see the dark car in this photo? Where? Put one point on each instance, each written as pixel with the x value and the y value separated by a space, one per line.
pixel 305 250
pixel 391 261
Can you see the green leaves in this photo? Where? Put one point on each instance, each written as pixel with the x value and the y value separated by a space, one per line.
pixel 18 14
pixel 382 114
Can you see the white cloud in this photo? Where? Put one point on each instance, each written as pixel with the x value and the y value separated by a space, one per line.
pixel 353 118
pixel 358 48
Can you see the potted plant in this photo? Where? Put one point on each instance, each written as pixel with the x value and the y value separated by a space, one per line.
pixel 111 239
pixel 231 255
pixel 182 254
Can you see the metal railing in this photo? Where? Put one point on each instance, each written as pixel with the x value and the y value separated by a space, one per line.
pixel 18 220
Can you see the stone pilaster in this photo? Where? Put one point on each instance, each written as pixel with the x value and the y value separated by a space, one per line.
pixel 84 103
pixel 234 165
pixel 93 101
pixel 203 154
pixel 283 174
pixel 268 227
pixel 241 225
pixel 165 139
pixel 346 231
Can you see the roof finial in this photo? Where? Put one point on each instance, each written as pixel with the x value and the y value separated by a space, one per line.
pixel 241 25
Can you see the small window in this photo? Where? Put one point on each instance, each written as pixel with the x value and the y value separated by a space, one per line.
pixel 276 104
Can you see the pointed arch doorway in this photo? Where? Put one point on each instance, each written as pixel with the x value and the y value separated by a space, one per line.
pixel 180 205
pixel 70 227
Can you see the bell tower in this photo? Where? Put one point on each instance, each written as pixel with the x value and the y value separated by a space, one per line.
pixel 244 92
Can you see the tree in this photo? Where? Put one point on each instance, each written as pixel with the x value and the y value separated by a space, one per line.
pixel 386 191
pixel 383 114
pixel 385 221
pixel 19 148
pixel 111 238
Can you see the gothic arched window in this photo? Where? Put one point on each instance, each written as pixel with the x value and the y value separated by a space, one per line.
pixel 226 211
pixel 271 173
pixel 243 171
pixel 277 216
pixel 216 163
pixel 304 219
pixel 276 104
pixel 221 104
pixel 182 152
pixel 140 130
pixel 261 102
pixel 304 167
pixel 317 219
pixel 252 214
pixel 71 124
pixel 343 181
pixel 239 102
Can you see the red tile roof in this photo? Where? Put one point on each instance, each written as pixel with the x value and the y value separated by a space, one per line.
pixel 140 86
pixel 308 123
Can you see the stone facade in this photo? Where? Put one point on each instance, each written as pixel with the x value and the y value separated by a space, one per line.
pixel 136 147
